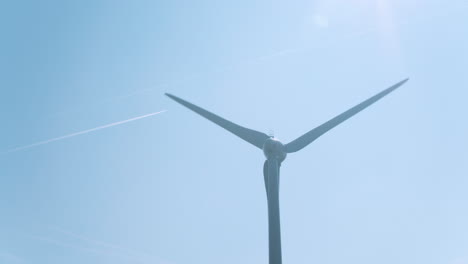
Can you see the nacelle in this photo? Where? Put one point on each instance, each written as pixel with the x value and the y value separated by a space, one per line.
pixel 273 148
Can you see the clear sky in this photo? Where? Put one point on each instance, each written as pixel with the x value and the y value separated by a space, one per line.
pixel 388 186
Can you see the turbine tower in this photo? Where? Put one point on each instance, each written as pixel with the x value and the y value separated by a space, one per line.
pixel 275 153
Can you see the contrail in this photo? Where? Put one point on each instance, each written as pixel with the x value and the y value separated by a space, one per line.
pixel 112 249
pixel 84 132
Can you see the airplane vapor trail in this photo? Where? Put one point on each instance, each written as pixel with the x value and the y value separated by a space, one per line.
pixel 83 132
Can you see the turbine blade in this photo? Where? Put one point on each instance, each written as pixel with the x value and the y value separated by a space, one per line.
pixel 253 137
pixel 312 135
pixel 274 229
pixel 265 176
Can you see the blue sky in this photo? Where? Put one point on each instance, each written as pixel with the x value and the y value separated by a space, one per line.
pixel 387 186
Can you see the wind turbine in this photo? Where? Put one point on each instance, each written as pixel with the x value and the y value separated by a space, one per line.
pixel 276 152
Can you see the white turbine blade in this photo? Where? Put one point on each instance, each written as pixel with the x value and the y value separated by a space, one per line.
pixel 253 137
pixel 312 135
pixel 274 226
pixel 84 132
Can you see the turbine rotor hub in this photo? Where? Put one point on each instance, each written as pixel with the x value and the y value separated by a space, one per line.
pixel 274 149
